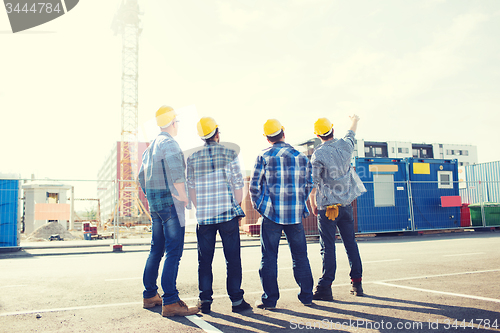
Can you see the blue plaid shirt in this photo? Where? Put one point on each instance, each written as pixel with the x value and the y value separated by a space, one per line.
pixel 281 184
pixel 214 172
pixel 162 164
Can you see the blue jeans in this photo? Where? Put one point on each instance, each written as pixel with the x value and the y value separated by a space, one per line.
pixel 270 234
pixel 327 229
pixel 230 235
pixel 168 238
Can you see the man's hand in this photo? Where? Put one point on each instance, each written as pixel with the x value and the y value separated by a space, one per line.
pixel 312 202
pixel 184 199
pixel 355 119
pixel 315 210
pixel 182 193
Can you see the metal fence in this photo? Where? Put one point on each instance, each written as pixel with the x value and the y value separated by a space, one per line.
pixel 408 206
pixel 398 206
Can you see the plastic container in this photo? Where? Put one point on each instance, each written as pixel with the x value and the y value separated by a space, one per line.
pixel 87 236
pixel 491 214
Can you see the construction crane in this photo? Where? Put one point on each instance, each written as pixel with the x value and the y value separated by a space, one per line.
pixel 127 23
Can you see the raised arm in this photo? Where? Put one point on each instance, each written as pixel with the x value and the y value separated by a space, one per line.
pixel 354 125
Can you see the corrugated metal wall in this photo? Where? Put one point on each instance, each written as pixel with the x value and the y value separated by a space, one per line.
pixel 483 183
pixel 9 190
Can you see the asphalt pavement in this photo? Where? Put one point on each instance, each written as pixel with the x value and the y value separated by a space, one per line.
pixel 427 283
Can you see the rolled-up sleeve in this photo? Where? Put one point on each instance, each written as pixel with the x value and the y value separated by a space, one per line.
pixel 349 140
pixel 237 177
pixel 255 183
pixel 317 171
pixel 191 183
pixel 175 160
pixel 141 179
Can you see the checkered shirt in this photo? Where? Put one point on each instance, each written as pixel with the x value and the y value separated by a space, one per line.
pixel 281 184
pixel 162 166
pixel 214 172
pixel 333 175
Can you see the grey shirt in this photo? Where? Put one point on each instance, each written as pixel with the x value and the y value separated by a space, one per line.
pixel 333 175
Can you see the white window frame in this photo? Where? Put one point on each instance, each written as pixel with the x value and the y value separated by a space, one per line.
pixel 445 184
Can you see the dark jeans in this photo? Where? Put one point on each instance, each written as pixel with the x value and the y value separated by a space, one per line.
pixel 327 229
pixel 270 234
pixel 230 235
pixel 167 237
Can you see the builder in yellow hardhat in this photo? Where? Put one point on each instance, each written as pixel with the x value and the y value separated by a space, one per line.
pixel 162 178
pixel 215 187
pixel 336 185
pixel 279 188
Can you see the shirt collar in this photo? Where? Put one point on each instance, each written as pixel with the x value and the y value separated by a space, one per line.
pixel 327 143
pixel 211 143
pixel 166 134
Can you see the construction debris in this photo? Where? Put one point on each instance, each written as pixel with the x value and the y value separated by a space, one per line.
pixel 47 230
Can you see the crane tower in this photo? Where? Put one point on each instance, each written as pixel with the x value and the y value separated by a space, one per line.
pixel 127 24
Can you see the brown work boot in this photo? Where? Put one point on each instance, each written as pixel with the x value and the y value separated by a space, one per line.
pixel 151 302
pixel 323 293
pixel 178 308
pixel 357 289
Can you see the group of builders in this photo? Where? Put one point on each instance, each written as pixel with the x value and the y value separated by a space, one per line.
pixel 282 182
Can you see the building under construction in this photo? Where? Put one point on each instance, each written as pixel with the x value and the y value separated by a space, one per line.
pixel 109 175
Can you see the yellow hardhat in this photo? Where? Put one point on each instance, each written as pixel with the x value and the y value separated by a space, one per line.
pixel 206 127
pixel 272 127
pixel 165 115
pixel 322 126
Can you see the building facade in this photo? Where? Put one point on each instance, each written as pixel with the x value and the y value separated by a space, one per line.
pixel 107 179
pixel 465 154
pixel 46 201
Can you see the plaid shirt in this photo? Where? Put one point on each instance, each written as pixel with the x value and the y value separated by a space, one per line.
pixel 162 164
pixel 333 176
pixel 214 172
pixel 281 184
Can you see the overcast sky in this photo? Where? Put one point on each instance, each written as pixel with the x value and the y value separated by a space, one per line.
pixel 415 71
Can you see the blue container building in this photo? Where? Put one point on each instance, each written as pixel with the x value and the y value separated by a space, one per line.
pixel 432 179
pixel 9 190
pixel 385 205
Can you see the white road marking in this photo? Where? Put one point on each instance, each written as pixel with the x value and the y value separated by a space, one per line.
pixel 377 261
pixel 122 279
pixel 438 275
pixel 68 309
pixel 381 282
pixel 463 254
pixel 203 324
pixel 440 292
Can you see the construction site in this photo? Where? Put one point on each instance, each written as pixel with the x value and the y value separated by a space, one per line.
pixel 81 83
pixel 401 197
